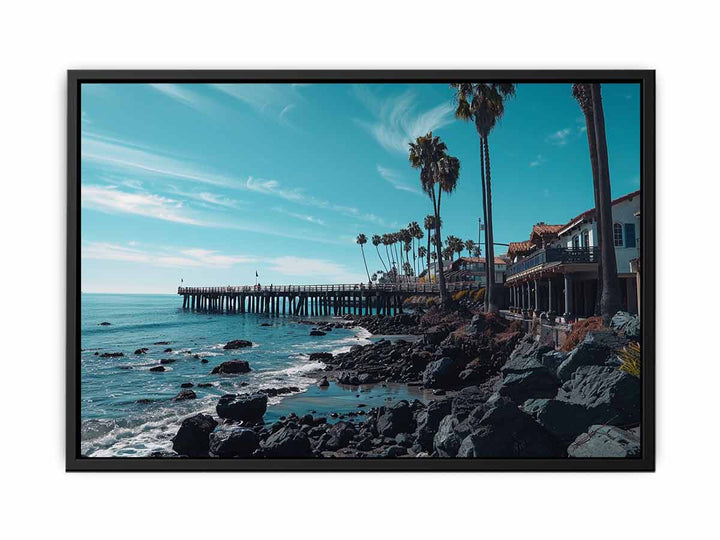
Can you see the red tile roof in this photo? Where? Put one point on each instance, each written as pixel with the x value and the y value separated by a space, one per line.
pixel 520 247
pixel 543 229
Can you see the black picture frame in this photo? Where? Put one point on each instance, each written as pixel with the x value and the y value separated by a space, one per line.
pixel 646 79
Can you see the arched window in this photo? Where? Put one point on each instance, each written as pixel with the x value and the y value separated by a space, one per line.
pixel 618 234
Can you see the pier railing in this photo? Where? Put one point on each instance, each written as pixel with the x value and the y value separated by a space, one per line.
pixel 352 288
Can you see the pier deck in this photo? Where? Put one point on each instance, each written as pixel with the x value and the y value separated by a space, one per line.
pixel 312 300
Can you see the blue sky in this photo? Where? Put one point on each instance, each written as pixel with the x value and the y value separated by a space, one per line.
pixel 210 183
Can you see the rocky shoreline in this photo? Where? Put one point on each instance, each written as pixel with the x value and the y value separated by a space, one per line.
pixel 497 393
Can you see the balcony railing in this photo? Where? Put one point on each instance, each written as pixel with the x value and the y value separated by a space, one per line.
pixel 555 254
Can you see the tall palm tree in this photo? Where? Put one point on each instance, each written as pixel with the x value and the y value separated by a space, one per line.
pixel 582 93
pixel 417 234
pixel 437 168
pixel 376 241
pixel 455 245
pixel 429 224
pixel 362 240
pixel 611 298
pixel 470 246
pixel 422 253
pixel 484 104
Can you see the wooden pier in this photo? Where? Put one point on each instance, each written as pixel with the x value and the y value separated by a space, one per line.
pixel 311 300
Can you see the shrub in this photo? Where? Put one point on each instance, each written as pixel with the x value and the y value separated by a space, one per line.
pixel 579 329
pixel 630 356
pixel 460 295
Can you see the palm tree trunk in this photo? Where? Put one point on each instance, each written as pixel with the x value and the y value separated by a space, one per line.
pixel 381 259
pixel 428 254
pixel 444 298
pixel 484 200
pixel 362 250
pixel 490 263
pixel 610 299
pixel 592 146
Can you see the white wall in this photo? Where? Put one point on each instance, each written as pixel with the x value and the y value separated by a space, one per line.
pixel 41 41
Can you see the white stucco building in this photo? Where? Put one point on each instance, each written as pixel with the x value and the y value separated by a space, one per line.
pixel 555 271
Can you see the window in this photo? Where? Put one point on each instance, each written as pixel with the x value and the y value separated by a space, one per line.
pixel 576 241
pixel 586 239
pixel 630 235
pixel 618 235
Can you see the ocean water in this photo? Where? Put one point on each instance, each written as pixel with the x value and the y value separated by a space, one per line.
pixel 127 410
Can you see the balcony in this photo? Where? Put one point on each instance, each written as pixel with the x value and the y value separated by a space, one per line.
pixel 555 255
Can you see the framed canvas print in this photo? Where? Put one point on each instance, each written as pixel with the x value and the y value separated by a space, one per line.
pixel 360 270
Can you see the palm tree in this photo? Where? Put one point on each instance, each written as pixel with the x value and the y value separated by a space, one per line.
pixel 429 154
pixel 362 240
pixel 455 245
pixel 610 299
pixel 376 241
pixel 387 241
pixel 582 93
pixel 484 104
pixel 429 224
pixel 407 247
pixel 417 234
pixel 470 246
pixel 422 253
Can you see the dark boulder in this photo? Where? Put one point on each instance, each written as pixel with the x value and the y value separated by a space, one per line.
pixel 606 442
pixel 626 324
pixel 168 350
pixel 323 383
pixel 185 394
pixel 227 442
pixel 142 350
pixel 563 419
pixel 610 396
pixel 187 385
pixel 504 431
pixel 157 368
pixel 193 437
pixel 348 377
pixel 395 450
pixel 595 350
pixel 166 361
pixel 231 367
pixel 527 354
pixel 435 334
pixel 237 344
pixel 320 356
pixel 339 436
pixel 441 373
pixel 161 343
pixel 533 383
pixel 428 421
pixel 244 407
pixel 287 442
pixel 394 419
pixel 450 435
pixel 104 323
pixel 112 355
pixel 317 333
pixel 468 399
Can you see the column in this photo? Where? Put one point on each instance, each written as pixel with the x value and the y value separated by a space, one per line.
pixel 551 311
pixel 568 296
pixel 536 285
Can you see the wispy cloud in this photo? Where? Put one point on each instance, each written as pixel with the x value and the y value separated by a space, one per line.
pixel 302 217
pixel 183 94
pixel 162 256
pixel 274 188
pixel 560 137
pixel 112 200
pixel 539 160
pixel 133 157
pixel 394 178
pixel 397 120
pixel 273 100
pixel 288 265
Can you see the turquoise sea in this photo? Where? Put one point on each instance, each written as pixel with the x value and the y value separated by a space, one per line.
pixel 128 410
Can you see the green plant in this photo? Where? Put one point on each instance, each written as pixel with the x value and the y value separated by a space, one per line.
pixel 630 356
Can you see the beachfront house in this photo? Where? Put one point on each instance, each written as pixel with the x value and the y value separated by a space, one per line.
pixel 473 269
pixel 555 272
